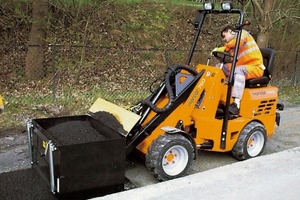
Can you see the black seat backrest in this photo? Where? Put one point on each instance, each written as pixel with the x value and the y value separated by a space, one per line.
pixel 268 59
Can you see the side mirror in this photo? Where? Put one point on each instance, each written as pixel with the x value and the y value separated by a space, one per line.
pixel 195 24
pixel 240 26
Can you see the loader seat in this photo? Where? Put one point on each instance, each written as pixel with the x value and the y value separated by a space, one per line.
pixel 268 59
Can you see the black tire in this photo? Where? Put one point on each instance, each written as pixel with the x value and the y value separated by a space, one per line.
pixel 170 156
pixel 251 142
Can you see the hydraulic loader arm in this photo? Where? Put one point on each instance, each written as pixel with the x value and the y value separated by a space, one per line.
pixel 140 133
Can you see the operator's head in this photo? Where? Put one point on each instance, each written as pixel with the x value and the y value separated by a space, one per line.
pixel 228 33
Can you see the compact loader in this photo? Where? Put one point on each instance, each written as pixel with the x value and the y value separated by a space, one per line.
pixel 190 111
pixel 187 112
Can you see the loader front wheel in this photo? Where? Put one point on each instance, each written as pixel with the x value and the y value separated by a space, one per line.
pixel 251 142
pixel 170 156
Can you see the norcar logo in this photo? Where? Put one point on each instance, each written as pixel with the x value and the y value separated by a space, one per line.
pixel 196 93
pixel 193 97
pixel 260 93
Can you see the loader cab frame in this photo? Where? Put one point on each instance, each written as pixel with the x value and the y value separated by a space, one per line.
pixel 202 13
pixel 139 133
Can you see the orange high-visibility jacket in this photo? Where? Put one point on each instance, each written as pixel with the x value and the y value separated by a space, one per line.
pixel 249 55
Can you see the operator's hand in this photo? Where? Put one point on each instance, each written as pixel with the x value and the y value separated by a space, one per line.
pixel 218 49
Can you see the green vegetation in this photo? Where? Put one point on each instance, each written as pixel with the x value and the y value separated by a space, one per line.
pixel 290 94
pixel 80 68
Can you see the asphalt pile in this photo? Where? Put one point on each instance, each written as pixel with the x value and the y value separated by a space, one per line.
pixel 108 120
pixel 75 132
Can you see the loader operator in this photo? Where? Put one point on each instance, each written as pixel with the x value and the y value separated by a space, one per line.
pixel 249 63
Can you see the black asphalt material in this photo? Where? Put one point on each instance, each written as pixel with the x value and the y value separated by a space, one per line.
pixel 24 185
pixel 27 184
pixel 108 120
pixel 75 132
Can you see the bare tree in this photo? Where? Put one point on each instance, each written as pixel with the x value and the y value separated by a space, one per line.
pixel 36 46
pixel 269 13
pixel 261 12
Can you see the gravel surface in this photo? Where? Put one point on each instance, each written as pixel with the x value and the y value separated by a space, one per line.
pixel 13 151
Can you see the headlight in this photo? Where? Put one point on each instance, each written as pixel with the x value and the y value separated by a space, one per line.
pixel 226 5
pixel 208 6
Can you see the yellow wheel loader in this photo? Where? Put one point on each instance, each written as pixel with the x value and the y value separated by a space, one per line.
pixel 190 111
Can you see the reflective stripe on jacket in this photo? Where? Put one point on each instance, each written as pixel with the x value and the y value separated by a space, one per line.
pixel 249 55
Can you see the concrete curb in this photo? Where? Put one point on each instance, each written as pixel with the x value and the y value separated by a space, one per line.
pixel 274 176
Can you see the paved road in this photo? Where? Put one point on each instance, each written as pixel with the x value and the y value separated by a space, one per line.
pixel 14 153
pixel 286 136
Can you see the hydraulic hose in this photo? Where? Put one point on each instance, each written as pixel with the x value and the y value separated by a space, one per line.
pixel 170 72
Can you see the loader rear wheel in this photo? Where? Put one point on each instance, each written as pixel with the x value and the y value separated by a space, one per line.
pixel 170 156
pixel 251 142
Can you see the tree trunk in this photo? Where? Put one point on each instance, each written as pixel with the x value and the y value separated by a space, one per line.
pixel 36 46
pixel 263 9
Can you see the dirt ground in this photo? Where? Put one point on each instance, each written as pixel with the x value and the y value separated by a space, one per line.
pixel 14 150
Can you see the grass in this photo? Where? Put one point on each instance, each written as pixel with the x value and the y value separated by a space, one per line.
pixel 290 94
pixel 17 111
